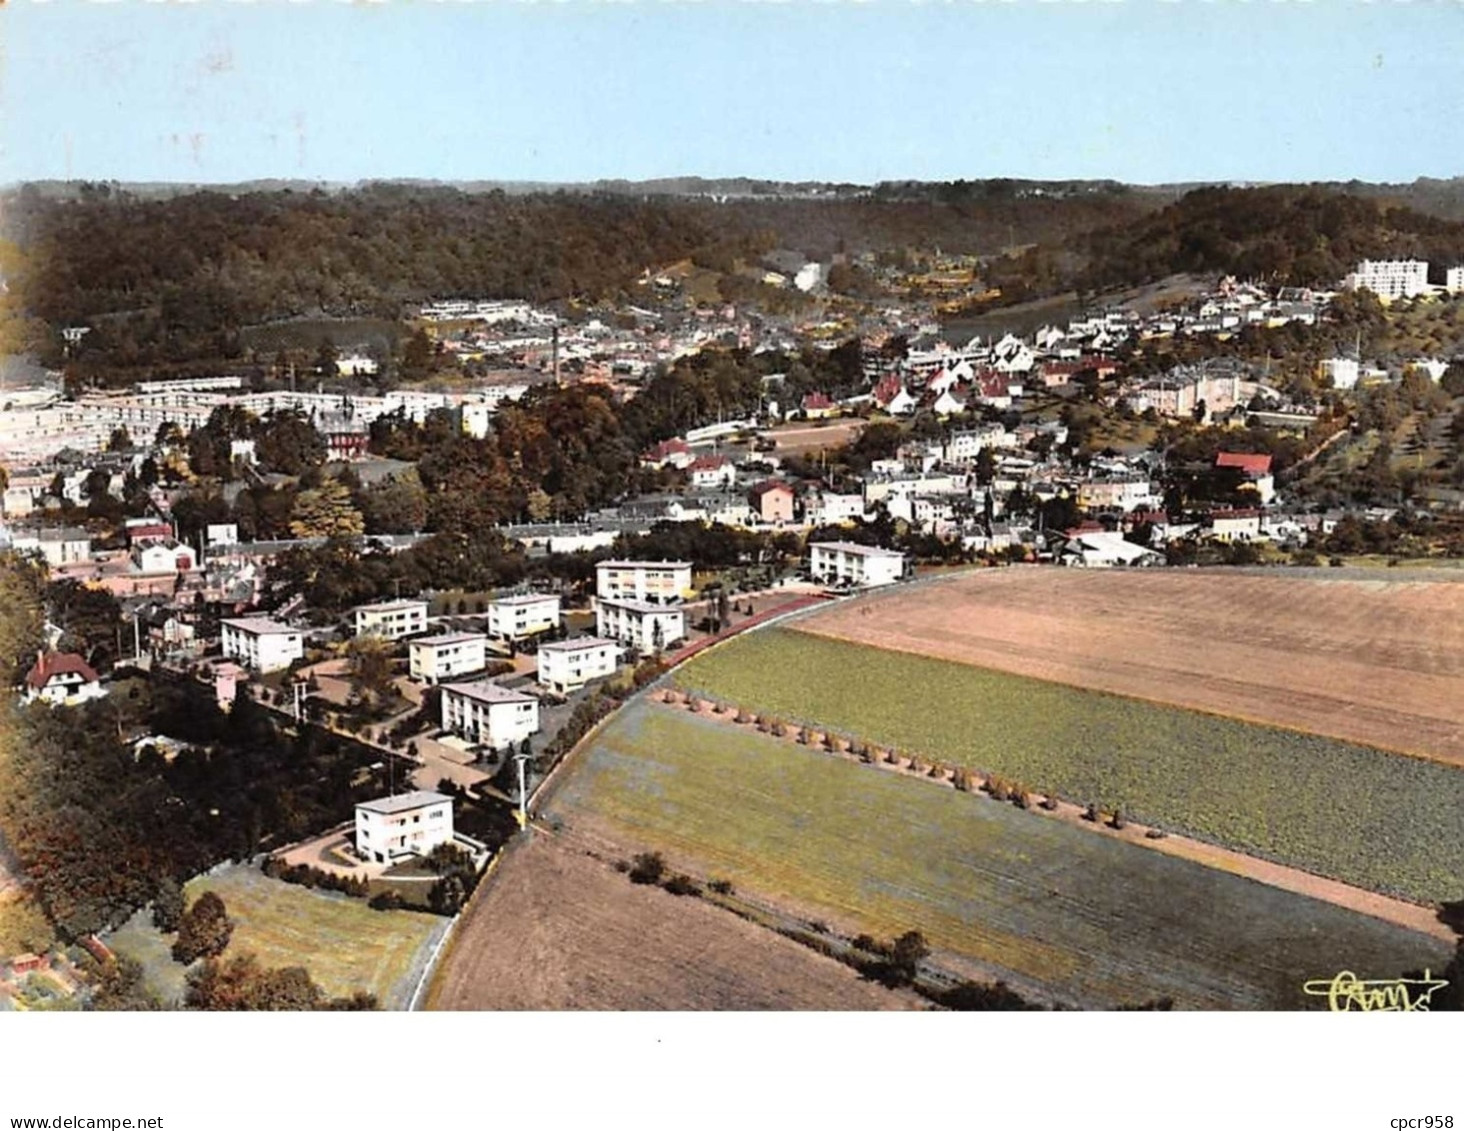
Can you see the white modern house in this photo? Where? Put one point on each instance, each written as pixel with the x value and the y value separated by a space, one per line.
pixel 643 625
pixel 410 824
pixel 852 564
pixel 449 655
pixel 261 643
pixel 488 713
pixel 391 620
pixel 1454 280
pixel 663 582
pixel 513 618
pixel 568 665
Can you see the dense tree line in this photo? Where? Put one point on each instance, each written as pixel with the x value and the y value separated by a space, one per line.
pixel 1286 235
pixel 178 278
pixel 174 280
pixel 101 829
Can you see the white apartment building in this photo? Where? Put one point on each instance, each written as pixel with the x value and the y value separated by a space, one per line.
pixel 1454 280
pixel 432 659
pixel 828 508
pixel 850 563
pixel 488 713
pixel 1125 493
pixel 963 447
pixel 642 625
pixel 391 620
pixel 412 824
pixel 568 665
pixel 1390 278
pixel 1343 371
pixel 663 582
pixel 60 546
pixel 261 643
pixel 513 618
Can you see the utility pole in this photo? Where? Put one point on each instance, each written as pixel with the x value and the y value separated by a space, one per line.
pixel 136 638
pixel 523 811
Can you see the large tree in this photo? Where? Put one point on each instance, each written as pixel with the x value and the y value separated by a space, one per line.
pixel 204 930
pixel 326 512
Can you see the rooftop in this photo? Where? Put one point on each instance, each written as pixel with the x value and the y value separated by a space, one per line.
pixel 624 564
pixel 525 599
pixel 641 606
pixel 259 626
pixel 856 548
pixel 50 664
pixel 486 691
pixel 581 644
pixel 391 606
pixel 445 638
pixel 401 803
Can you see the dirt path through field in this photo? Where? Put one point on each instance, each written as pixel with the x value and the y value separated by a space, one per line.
pixel 1372 661
pixel 1400 912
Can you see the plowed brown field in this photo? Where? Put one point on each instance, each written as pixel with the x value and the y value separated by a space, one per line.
pixel 1376 661
pixel 558 929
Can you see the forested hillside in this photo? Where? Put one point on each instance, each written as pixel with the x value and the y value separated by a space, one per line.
pixel 1285 235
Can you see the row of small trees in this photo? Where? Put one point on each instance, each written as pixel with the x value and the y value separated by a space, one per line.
pixel 963 778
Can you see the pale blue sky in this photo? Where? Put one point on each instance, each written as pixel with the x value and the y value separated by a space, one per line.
pixel 1138 90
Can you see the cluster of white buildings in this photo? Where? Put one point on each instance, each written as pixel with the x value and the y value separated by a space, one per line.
pixel 1391 279
pixel 638 603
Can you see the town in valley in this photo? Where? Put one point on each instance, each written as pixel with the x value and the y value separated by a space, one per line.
pixel 986 595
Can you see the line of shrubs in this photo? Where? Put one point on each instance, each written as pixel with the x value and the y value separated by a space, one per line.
pixel 307 875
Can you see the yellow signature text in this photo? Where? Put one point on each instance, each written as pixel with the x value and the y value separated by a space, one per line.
pixel 1346 993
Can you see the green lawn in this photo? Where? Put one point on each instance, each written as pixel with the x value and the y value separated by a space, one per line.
pixel 344 944
pixel 1098 921
pixel 1355 813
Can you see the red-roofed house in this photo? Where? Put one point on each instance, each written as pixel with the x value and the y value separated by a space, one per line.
pixel 142 531
pixel 772 499
pixel 668 453
pixel 886 389
pixel 1252 465
pixel 817 406
pixel 993 389
pixel 62 678
pixel 1255 468
pixel 712 471
pixel 1241 525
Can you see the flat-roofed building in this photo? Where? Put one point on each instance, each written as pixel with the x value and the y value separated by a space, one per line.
pixel 852 564
pixel 567 665
pixel 391 620
pixel 261 643
pixel 488 713
pixel 662 582
pixel 409 824
pixel 449 655
pixel 513 618
pixel 643 625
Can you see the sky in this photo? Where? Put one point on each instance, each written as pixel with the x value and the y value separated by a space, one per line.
pixel 1145 91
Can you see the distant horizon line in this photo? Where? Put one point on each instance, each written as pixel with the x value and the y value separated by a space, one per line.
pixel 360 182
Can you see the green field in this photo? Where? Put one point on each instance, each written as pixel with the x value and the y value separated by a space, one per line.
pixel 1354 813
pixel 1096 920
pixel 344 944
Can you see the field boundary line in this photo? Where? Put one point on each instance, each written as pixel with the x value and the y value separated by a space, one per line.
pixel 905 649
pixel 1402 913
pixel 429 970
